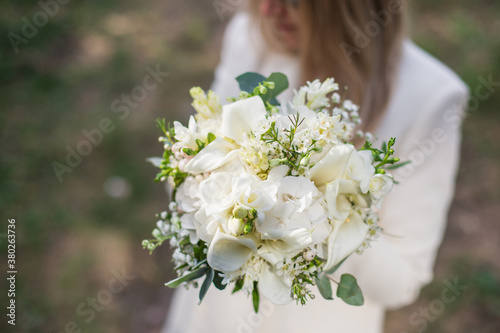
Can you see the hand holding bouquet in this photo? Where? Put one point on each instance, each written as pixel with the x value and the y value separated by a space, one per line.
pixel 270 199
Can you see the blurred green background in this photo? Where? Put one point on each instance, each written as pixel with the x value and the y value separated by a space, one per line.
pixel 74 235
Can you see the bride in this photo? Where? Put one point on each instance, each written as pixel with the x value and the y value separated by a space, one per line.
pixel 404 92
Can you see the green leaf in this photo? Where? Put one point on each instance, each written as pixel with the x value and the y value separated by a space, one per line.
pixel 384 147
pixel 248 81
pixel 334 268
pixel 238 285
pixel 349 291
pixel 280 84
pixel 255 297
pixel 206 284
pixel 161 124
pixel 188 277
pixel 325 287
pixel 218 281
pixel 396 166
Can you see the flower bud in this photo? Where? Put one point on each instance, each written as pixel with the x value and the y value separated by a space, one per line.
pixel 252 214
pixel 276 161
pixel 240 212
pixel 248 227
pixel 317 149
pixel 269 84
pixel 309 254
pixel 197 93
pixel 305 161
pixel 156 233
pixel 236 226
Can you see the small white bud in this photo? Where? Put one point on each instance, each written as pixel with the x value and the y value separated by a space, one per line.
pixel 236 226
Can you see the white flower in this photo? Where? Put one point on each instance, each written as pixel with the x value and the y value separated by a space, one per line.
pixel 183 134
pixel 299 205
pixel 241 117
pixel 314 94
pixel 332 166
pixel 216 154
pixel 216 193
pixel 379 185
pixel 360 165
pixel 207 107
pixel 275 288
pixel 187 195
pixel 228 253
pixel 350 106
pixel 251 192
pixel 345 238
pixel 279 244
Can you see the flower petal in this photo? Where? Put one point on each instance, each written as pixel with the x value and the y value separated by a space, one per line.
pixel 274 287
pixel 216 154
pixel 332 166
pixel 345 238
pixel 242 116
pixel 228 253
pixel 338 205
pixel 288 242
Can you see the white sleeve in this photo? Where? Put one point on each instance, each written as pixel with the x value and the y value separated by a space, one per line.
pixel 239 54
pixel 414 214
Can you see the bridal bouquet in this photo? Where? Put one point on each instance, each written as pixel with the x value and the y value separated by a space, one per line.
pixel 270 198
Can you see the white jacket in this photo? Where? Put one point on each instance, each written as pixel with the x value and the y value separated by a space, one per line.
pixel 424 115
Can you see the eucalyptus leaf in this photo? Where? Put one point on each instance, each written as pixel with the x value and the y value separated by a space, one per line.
pixel 248 81
pixel 349 291
pixel 188 277
pixel 218 281
pixel 206 284
pixel 324 286
pixel 280 84
pixel 255 297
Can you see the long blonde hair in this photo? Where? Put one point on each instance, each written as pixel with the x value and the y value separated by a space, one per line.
pixel 358 42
